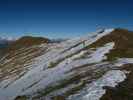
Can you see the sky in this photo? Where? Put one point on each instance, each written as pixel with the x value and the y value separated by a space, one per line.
pixel 63 18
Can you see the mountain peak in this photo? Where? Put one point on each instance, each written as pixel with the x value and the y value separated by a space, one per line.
pixel 27 41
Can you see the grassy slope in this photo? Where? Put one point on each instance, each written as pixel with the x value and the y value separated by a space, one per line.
pixel 23 42
pixel 123 43
pixel 27 41
pixel 123 48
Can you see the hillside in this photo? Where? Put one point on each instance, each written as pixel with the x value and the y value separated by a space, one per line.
pixel 82 68
pixel 123 43
pixel 27 41
pixel 12 47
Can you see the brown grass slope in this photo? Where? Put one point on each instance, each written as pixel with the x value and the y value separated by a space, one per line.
pixel 23 42
pixel 123 43
pixel 19 55
pixel 27 41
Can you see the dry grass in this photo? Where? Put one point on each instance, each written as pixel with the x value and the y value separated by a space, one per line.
pixel 123 44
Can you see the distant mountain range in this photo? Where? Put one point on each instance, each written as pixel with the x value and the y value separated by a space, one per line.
pixel 93 67
pixel 4 42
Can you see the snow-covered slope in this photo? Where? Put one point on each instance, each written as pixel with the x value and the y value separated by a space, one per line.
pixel 61 71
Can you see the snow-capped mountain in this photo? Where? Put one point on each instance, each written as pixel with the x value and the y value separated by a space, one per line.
pixel 82 68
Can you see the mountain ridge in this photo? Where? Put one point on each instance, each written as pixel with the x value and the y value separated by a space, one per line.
pixel 77 65
pixel 123 43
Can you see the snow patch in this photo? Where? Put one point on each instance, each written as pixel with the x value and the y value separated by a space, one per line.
pixel 95 90
pixel 122 61
pixel 99 54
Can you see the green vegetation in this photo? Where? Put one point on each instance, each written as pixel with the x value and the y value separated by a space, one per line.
pixel 75 89
pixel 59 97
pixel 58 86
pixel 53 64
pixel 70 92
pixel 21 98
pixel 119 53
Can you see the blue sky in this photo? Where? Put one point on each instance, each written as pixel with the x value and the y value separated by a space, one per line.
pixel 63 18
